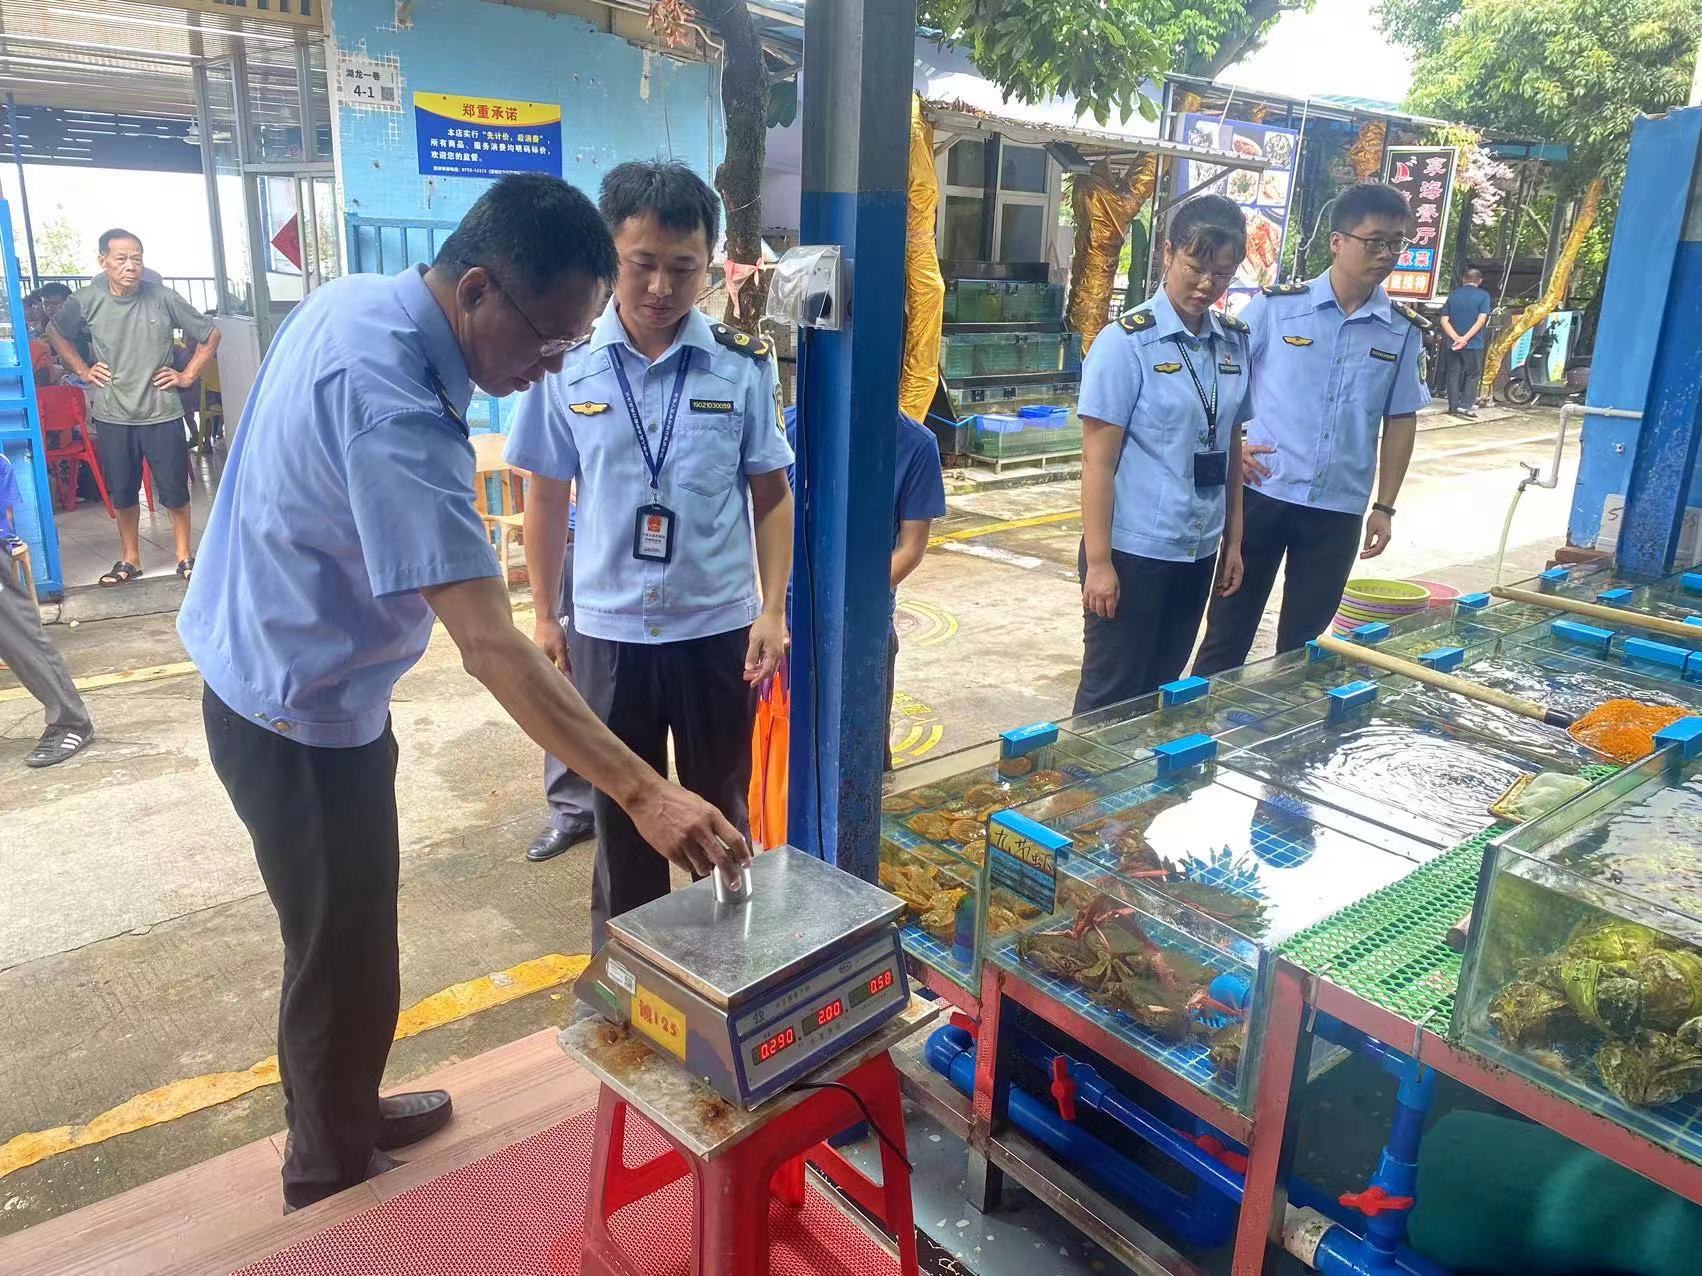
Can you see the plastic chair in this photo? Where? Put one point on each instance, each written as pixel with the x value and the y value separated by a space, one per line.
pixel 492 474
pixel 70 443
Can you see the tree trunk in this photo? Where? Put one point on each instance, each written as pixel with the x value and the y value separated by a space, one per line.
pixel 1238 43
pixel 744 101
pixel 1552 296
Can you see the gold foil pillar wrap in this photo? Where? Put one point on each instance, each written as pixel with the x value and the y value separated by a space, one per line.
pixel 924 286
pixel 1103 210
pixel 1188 103
pixel 1366 153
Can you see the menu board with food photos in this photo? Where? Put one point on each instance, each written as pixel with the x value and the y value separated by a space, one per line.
pixel 1263 196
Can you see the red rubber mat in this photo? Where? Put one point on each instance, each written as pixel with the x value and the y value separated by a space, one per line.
pixel 500 1216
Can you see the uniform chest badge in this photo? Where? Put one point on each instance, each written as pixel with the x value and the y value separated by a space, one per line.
pixel 1384 355
pixel 1167 367
pixel 711 405
pixel 1227 368
pixel 587 409
pixel 1297 341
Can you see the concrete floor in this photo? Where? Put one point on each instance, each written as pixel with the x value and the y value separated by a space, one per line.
pixel 137 946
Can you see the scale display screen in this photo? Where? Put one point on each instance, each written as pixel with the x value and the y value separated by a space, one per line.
pixel 823 1014
pixel 872 987
pixel 767 1048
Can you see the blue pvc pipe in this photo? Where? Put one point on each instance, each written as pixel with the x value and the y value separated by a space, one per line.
pixel 1205 1219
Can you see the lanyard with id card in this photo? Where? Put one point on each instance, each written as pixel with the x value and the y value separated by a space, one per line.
pixel 1211 466
pixel 654 525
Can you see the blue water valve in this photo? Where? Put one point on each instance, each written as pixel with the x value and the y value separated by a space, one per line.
pixel 1182 691
pixel 1473 602
pixel 1370 634
pixel 1021 741
pixel 1443 659
pixel 1354 695
pixel 1179 755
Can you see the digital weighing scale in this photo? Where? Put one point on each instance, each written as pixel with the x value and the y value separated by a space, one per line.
pixel 755 992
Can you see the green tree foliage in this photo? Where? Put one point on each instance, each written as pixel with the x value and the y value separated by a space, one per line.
pixel 59 248
pixel 1419 25
pixel 1571 71
pixel 1099 51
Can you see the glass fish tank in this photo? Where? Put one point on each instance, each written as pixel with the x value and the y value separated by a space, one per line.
pixel 1173 886
pixel 1293 678
pixel 1583 966
pixel 1374 751
pixel 934 833
pixel 1191 706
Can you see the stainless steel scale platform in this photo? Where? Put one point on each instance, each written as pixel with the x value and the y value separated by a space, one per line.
pixel 751 987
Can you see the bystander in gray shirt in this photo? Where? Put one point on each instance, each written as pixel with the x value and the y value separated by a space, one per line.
pixel 132 335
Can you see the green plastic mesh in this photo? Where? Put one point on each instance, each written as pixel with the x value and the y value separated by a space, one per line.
pixel 1391 947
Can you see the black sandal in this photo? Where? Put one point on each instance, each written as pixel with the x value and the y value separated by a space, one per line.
pixel 122 573
pixel 186 568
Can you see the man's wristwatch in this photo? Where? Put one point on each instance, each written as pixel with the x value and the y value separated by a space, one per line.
pixel 1383 509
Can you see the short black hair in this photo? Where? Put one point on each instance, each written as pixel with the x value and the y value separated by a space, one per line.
pixel 530 229
pixel 54 289
pixel 117 232
pixel 1369 199
pixel 1206 225
pixel 680 199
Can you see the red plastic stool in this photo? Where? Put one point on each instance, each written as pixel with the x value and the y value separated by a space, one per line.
pixel 732 1188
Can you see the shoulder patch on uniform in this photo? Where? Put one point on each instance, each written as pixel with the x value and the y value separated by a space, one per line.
pixel 742 342
pixel 1285 290
pixel 1412 316
pixel 1232 323
pixel 1135 320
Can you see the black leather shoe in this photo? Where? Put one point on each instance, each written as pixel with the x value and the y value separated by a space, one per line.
pixel 408 1118
pixel 553 841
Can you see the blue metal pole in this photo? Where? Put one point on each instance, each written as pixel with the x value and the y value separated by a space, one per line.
pixel 856 118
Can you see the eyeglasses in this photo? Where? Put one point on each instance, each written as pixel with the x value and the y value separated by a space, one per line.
pixel 548 347
pixel 1377 245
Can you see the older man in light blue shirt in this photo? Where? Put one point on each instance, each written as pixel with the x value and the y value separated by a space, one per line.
pixel 668 424
pixel 1336 393
pixel 343 524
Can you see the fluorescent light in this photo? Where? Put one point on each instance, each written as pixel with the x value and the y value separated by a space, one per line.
pixel 98 18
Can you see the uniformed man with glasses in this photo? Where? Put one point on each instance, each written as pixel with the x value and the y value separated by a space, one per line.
pixel 1336 392
pixel 344 525
pixel 665 424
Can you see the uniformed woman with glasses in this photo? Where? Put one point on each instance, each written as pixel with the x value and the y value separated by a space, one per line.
pixel 1165 392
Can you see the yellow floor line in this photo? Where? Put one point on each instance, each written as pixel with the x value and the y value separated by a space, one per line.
pixel 123 678
pixel 193 1094
pixel 987 529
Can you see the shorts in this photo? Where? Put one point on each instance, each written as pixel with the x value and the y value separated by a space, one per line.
pixel 123 448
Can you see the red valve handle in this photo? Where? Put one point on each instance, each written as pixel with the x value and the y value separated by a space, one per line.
pixel 1374 1201
pixel 960 1020
pixel 1063 1088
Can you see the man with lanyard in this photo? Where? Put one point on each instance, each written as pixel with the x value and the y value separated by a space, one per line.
pixel 666 423
pixel 344 524
pixel 1336 393
pixel 918 498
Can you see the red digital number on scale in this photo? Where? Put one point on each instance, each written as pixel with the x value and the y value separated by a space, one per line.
pixel 880 983
pixel 775 1044
pixel 828 1013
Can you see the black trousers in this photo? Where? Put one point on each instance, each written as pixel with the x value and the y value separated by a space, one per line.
pixel 1320 546
pixel 323 822
pixel 1465 370
pixel 645 692
pixel 1159 605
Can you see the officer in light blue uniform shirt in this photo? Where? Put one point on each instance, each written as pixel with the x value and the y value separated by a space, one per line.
pixel 1336 392
pixel 344 523
pixel 668 425
pixel 1163 398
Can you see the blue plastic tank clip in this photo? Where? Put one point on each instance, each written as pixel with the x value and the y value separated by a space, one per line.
pixel 1182 691
pixel 1370 634
pixel 1615 597
pixel 1692 582
pixel 1685 735
pixel 1575 631
pixel 1019 741
pixel 1555 576
pixel 1179 755
pixel 1345 699
pixel 1473 602
pixel 1657 653
pixel 1443 659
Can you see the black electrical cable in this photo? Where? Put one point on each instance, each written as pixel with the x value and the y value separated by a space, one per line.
pixel 867 1116
pixel 805 444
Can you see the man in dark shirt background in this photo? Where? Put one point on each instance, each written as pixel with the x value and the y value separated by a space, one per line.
pixel 1464 316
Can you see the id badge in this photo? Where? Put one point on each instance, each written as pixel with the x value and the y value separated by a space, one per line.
pixel 653 534
pixel 1211 469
